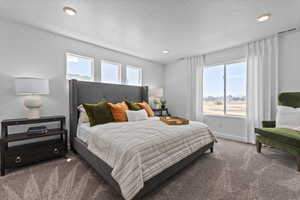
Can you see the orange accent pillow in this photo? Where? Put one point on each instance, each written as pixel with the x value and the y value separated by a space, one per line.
pixel 148 109
pixel 118 111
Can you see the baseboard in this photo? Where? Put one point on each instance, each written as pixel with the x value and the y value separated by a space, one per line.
pixel 230 137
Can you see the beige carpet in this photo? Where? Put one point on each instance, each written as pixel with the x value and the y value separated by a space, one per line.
pixel 234 171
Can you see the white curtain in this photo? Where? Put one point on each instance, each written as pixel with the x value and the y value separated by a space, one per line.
pixel 262 83
pixel 195 76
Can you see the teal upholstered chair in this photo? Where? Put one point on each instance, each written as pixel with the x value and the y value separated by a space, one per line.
pixel 284 139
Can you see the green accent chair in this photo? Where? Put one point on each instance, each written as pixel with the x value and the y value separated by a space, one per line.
pixel 284 139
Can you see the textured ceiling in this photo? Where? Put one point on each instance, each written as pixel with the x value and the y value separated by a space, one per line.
pixel 145 28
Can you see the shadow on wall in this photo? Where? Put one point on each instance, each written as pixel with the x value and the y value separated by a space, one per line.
pixel 57 102
pixel 229 127
pixel 11 105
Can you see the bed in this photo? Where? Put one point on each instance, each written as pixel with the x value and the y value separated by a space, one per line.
pixel 92 92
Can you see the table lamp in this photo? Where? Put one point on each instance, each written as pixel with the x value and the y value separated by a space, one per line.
pixel 156 94
pixel 32 88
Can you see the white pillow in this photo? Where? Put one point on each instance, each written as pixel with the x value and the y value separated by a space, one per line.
pixel 288 117
pixel 136 115
pixel 83 118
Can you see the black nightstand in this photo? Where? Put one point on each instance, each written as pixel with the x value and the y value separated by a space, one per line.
pixel 21 155
pixel 161 112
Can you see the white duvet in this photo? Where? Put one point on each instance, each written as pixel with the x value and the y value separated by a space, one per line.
pixel 137 151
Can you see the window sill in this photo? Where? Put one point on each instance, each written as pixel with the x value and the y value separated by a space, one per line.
pixel 226 116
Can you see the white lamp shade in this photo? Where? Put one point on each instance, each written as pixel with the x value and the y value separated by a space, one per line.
pixel 31 86
pixel 156 92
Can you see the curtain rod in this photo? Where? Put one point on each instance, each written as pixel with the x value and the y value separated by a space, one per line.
pixel 287 31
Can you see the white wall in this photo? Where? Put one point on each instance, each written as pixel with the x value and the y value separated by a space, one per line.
pixel 176 88
pixel 289 62
pixel 26 51
pixel 232 127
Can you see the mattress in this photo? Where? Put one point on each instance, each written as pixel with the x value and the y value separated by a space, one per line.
pixel 84 130
pixel 137 151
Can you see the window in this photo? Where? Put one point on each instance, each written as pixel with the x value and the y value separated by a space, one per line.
pixel 79 67
pixel 213 90
pixel 236 89
pixel 224 89
pixel 110 72
pixel 133 75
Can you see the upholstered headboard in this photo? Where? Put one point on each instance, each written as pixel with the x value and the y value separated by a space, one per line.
pixel 93 92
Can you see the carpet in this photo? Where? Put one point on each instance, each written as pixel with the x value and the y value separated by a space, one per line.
pixel 234 171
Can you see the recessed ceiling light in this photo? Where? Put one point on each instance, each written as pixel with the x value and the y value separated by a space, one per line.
pixel 70 11
pixel 165 51
pixel 264 17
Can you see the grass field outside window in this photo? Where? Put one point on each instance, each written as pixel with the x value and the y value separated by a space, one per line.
pixel 224 89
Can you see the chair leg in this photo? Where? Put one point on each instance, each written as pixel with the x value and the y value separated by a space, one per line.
pixel 211 149
pixel 298 163
pixel 258 147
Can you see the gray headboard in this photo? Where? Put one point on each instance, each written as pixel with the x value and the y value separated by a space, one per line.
pixel 93 92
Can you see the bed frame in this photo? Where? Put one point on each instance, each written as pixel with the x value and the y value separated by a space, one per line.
pixel 93 92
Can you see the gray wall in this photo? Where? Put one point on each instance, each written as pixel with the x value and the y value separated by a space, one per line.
pixel 226 126
pixel 26 51
pixel 176 88
pixel 289 62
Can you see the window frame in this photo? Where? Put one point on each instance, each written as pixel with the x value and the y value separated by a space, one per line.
pixel 242 60
pixel 140 72
pixel 119 71
pixel 80 56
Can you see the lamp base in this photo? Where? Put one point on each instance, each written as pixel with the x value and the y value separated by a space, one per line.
pixel 33 113
pixel 33 104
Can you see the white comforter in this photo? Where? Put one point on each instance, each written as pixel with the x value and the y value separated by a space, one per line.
pixel 137 151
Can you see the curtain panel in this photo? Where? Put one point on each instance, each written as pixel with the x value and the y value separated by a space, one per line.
pixel 195 66
pixel 262 83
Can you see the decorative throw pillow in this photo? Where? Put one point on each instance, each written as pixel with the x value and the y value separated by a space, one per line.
pixel 83 118
pixel 133 106
pixel 288 117
pixel 118 111
pixel 136 115
pixel 145 106
pixel 99 113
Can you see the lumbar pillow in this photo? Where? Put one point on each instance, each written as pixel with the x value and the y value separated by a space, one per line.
pixel 136 115
pixel 288 117
pixel 83 118
pixel 99 113
pixel 144 105
pixel 133 106
pixel 118 111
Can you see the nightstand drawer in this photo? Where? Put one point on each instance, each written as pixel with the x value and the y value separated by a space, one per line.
pixel 33 153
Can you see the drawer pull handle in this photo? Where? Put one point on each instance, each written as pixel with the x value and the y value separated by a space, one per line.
pixel 18 159
pixel 55 150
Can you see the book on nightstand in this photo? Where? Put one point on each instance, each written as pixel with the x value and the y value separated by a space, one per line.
pixel 37 130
